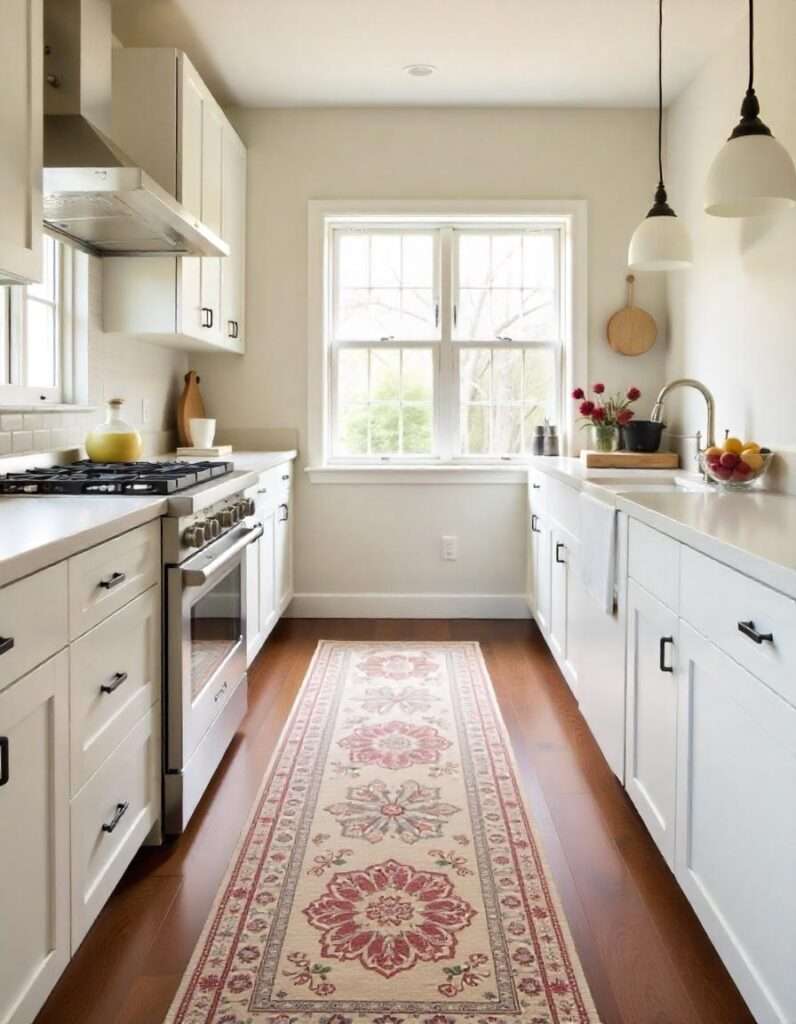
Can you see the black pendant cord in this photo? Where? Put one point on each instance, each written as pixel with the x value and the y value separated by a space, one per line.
pixel 750 123
pixel 660 93
pixel 661 207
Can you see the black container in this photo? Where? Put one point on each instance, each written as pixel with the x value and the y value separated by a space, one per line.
pixel 642 435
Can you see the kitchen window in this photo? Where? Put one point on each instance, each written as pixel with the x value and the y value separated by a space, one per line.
pixel 35 332
pixel 446 341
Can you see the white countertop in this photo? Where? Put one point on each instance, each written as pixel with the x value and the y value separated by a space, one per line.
pixel 753 531
pixel 246 462
pixel 38 531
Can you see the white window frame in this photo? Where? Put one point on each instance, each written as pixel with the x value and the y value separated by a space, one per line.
pixel 570 216
pixel 71 388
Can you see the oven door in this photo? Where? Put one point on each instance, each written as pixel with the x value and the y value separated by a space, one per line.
pixel 206 623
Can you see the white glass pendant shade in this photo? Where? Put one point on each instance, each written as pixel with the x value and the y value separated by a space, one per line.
pixel 751 176
pixel 660 243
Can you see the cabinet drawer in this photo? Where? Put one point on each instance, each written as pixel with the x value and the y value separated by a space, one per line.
pixel 274 484
pixel 115 678
pixel 716 600
pixel 105 578
pixel 654 562
pixel 33 615
pixel 131 777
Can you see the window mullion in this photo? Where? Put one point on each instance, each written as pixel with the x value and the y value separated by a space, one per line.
pixel 447 404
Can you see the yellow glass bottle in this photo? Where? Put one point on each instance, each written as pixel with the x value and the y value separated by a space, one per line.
pixel 114 440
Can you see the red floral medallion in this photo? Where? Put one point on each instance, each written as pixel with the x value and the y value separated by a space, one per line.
pixel 398 665
pixel 389 917
pixel 394 745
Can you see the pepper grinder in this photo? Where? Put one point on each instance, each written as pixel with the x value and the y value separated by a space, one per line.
pixel 550 440
pixel 537 442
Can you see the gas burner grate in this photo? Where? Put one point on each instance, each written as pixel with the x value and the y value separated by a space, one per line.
pixel 131 478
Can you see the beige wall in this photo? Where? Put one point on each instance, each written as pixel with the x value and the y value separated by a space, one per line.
pixel 733 316
pixel 355 539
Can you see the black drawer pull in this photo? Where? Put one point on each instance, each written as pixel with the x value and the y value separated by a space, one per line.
pixel 118 679
pixel 207 316
pixel 118 814
pixel 5 762
pixel 748 629
pixel 6 643
pixel 284 517
pixel 536 487
pixel 220 693
pixel 559 548
pixel 113 580
pixel 662 654
pixel 534 521
pixel 286 476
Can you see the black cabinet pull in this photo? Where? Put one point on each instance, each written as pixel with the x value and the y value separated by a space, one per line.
pixel 207 316
pixel 748 629
pixel 559 547
pixel 534 521
pixel 283 518
pixel 536 487
pixel 6 643
pixel 232 328
pixel 113 580
pixel 662 654
pixel 286 476
pixel 118 679
pixel 5 762
pixel 118 814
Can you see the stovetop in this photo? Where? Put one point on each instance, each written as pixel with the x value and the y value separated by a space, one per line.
pixel 132 478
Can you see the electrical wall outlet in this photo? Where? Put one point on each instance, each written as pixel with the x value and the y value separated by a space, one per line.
pixel 450 549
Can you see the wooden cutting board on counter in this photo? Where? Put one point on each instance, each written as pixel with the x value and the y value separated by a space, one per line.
pixel 190 407
pixel 630 460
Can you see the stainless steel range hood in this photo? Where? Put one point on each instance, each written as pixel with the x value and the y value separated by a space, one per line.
pixel 94 195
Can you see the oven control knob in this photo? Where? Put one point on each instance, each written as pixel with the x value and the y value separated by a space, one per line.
pixel 250 507
pixel 226 518
pixel 213 527
pixel 245 507
pixel 195 536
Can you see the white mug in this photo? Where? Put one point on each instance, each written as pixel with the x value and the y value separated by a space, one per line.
pixel 202 433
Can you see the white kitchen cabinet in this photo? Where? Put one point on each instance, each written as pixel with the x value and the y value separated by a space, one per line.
pixel 284 553
pixel 34 838
pixel 21 49
pixel 233 221
pixel 190 149
pixel 651 714
pixel 736 821
pixel 539 571
pixel 566 595
pixel 261 608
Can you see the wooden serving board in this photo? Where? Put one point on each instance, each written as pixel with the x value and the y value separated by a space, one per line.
pixel 630 460
pixel 190 407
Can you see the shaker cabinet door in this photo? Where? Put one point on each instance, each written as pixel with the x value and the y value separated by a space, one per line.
pixel 736 822
pixel 21 48
pixel 34 838
pixel 651 716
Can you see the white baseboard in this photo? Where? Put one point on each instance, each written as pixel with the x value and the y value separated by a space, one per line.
pixel 408 606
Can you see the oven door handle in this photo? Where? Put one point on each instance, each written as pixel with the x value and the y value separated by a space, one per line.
pixel 197 577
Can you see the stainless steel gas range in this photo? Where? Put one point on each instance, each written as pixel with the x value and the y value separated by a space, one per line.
pixel 207 527
pixel 205 536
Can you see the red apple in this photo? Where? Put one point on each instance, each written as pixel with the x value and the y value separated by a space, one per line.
pixel 722 472
pixel 729 460
pixel 742 470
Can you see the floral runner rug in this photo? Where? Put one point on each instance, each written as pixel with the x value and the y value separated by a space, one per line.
pixel 389 873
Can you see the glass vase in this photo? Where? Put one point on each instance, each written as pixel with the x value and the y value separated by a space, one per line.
pixel 114 440
pixel 605 438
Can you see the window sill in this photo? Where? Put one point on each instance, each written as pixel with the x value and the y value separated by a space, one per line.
pixel 426 474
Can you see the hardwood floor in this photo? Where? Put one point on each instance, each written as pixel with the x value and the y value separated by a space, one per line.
pixel 646 957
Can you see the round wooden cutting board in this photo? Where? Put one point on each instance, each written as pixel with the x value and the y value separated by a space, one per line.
pixel 189 407
pixel 631 331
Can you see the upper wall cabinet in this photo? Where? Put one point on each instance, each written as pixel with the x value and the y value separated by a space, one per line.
pixel 165 118
pixel 21 47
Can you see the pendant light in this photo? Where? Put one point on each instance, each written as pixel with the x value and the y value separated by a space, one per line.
pixel 753 174
pixel 661 241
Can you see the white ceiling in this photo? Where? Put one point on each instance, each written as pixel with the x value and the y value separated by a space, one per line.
pixel 488 52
